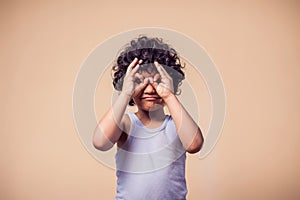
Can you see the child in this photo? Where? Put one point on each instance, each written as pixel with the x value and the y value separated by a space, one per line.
pixel 150 159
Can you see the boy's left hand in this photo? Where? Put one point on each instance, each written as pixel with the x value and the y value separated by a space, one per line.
pixel 164 87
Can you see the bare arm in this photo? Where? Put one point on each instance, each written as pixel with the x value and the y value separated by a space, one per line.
pixel 111 126
pixel 188 131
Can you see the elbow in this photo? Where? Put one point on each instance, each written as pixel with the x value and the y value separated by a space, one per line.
pixel 100 142
pixel 102 146
pixel 194 149
pixel 196 145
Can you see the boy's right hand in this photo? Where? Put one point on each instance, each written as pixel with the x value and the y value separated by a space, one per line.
pixel 131 86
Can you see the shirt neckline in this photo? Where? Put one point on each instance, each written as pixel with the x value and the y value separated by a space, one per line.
pixel 162 126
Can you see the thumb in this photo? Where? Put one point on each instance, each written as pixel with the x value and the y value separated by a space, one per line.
pixel 154 84
pixel 139 88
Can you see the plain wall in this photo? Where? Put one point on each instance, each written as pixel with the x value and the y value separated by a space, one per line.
pixel 254 44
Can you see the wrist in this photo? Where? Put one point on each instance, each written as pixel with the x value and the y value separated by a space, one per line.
pixel 125 96
pixel 169 99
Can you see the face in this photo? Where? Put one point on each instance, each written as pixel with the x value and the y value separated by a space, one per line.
pixel 148 99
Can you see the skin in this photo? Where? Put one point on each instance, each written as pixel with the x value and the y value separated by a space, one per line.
pixel 153 92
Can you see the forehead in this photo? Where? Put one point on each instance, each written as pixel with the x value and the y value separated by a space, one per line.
pixel 148 70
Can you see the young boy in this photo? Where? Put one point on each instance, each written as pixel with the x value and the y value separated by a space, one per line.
pixel 151 151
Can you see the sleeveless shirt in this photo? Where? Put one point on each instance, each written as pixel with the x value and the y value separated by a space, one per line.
pixel 151 163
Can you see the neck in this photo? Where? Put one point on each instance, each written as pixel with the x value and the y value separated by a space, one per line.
pixel 152 115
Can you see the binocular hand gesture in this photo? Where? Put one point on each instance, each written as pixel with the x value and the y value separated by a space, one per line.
pixel 134 82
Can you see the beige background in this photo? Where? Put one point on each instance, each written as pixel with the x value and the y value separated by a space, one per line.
pixel 255 45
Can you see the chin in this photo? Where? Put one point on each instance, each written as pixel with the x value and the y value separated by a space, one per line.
pixel 152 106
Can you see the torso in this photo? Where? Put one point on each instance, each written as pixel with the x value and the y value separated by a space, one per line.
pixel 151 162
pixel 127 123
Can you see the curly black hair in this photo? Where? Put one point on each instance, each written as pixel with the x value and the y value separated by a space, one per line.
pixel 149 50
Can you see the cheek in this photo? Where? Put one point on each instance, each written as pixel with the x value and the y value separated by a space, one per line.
pixel 137 101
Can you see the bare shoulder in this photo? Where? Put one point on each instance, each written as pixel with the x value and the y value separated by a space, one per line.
pixel 126 128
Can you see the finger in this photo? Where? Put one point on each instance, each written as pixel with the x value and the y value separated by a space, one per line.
pixel 139 77
pixel 160 69
pixel 139 88
pixel 136 68
pixel 156 78
pixel 154 84
pixel 131 65
pixel 146 80
pixel 150 80
pixel 165 77
pixel 165 72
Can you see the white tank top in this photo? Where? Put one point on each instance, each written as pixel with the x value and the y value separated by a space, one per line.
pixel 151 163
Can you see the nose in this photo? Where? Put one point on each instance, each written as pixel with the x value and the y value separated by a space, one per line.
pixel 149 89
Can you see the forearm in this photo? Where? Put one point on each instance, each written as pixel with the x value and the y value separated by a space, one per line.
pixel 109 128
pixel 188 131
